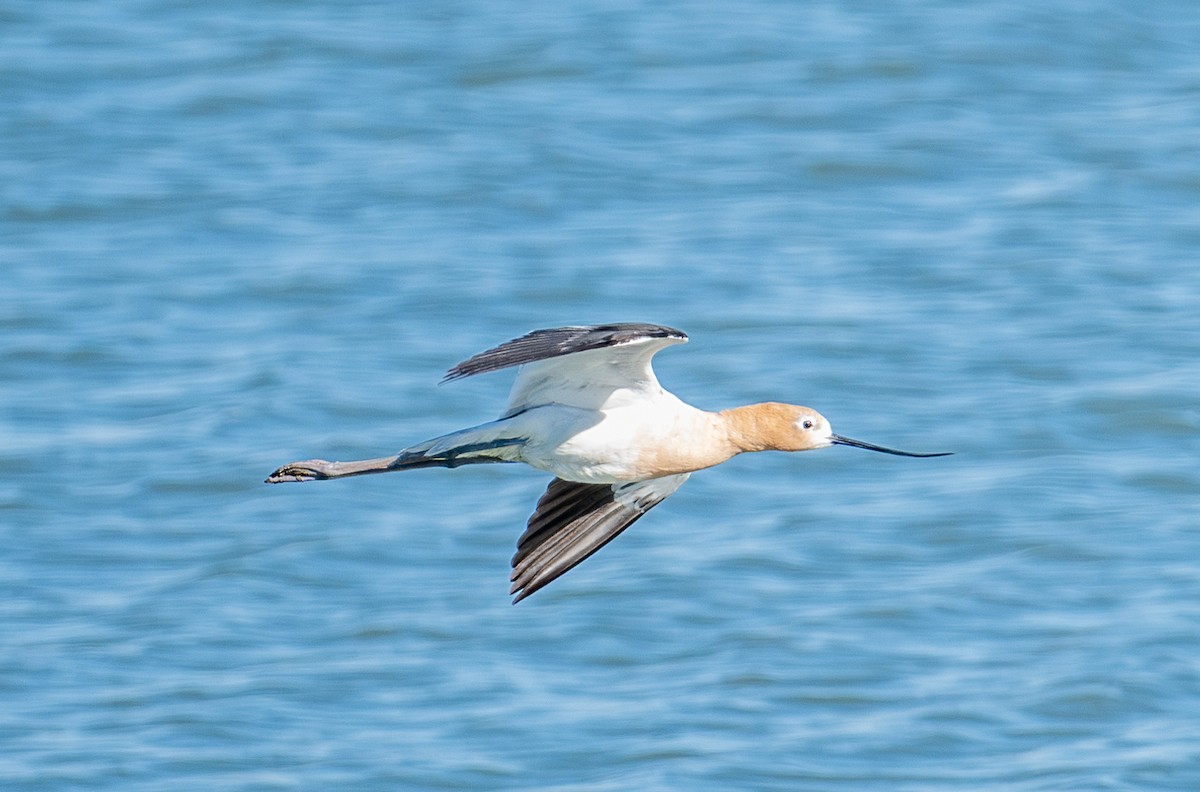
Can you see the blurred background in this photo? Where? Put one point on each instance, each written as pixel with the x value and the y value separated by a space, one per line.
pixel 236 235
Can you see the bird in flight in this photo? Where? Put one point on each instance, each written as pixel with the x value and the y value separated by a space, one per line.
pixel 587 408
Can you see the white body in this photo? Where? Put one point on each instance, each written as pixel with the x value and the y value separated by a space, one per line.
pixel 598 416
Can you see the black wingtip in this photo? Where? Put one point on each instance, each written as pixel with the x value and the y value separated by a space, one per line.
pixel 519 592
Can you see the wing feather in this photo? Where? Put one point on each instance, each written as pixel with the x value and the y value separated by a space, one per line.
pixel 559 341
pixel 573 520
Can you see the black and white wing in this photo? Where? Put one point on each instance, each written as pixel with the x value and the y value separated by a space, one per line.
pixel 559 341
pixel 574 520
pixel 577 366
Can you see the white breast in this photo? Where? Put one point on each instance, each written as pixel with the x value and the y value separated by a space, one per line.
pixel 614 444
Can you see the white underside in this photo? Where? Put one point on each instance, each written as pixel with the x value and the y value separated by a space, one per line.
pixel 604 446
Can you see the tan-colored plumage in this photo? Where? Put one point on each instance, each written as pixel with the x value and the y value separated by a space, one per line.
pixel 773 426
pixel 698 439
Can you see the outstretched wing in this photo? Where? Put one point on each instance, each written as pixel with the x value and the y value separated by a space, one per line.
pixel 577 366
pixel 559 341
pixel 574 520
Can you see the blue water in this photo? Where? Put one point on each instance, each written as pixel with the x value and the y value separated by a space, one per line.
pixel 235 235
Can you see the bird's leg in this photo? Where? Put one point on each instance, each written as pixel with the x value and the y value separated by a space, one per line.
pixel 408 459
pixel 313 469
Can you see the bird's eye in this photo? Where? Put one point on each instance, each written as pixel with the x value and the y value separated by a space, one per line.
pixel 808 424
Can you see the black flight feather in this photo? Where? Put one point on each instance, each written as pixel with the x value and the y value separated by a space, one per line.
pixel 558 341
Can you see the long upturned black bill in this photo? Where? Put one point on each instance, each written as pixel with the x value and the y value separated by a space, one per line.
pixel 846 441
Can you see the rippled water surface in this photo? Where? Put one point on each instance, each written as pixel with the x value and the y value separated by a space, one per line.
pixel 234 235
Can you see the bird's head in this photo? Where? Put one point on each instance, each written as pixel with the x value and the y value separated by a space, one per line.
pixel 791 427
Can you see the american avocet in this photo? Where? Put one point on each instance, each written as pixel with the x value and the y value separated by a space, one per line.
pixel 587 407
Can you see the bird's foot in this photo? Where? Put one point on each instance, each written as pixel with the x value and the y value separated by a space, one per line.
pixel 309 470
